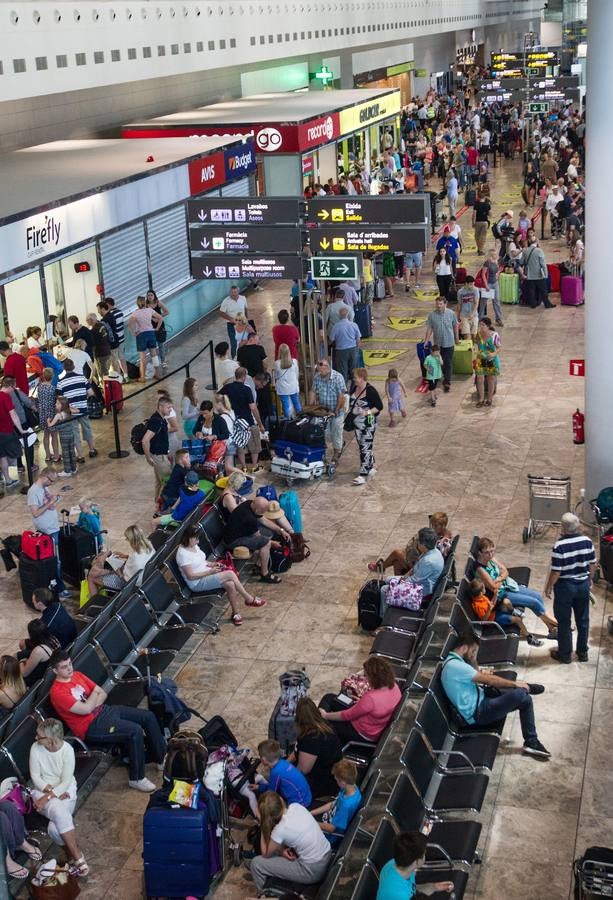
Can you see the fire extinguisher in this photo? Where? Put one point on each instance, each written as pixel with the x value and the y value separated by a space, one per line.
pixel 578 427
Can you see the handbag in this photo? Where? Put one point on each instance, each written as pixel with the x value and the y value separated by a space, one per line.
pixel 510 584
pixel 349 423
pixel 356 685
pixel 18 795
pixel 55 884
pixel 404 593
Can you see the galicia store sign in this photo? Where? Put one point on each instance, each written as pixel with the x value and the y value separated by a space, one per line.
pixel 239 161
pixel 360 116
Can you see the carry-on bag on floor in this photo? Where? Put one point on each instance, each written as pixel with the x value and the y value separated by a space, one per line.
pixel 217 733
pixel 282 728
pixel 555 277
pixel 369 605
pixel 594 874
pixel 113 393
pixel 293 470
pixel 36 573
pixel 508 286
pixel 463 358
pixel 470 197
pixel 571 291
pixel 76 548
pixel 176 852
pixel 362 313
pixel 36 545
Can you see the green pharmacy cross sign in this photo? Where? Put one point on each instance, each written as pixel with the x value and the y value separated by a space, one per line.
pixel 324 75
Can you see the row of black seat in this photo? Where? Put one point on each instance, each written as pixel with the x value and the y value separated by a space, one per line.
pixel 428 766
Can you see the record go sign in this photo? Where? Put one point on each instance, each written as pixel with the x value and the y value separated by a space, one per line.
pixel 316 132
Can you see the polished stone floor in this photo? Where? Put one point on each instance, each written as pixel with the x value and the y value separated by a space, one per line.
pixel 472 463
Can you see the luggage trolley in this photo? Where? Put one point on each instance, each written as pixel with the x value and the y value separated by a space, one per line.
pixel 549 500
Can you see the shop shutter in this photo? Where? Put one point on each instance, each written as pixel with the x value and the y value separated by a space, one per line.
pixel 124 265
pixel 241 188
pixel 168 250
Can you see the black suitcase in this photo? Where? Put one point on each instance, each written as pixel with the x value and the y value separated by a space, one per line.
pixel 37 573
pixel 363 318
pixel 606 558
pixel 594 874
pixel 369 600
pixel 304 430
pixel 470 197
pixel 76 548
pixel 217 733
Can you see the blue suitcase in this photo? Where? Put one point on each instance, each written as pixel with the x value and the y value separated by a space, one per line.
pixel 362 315
pixel 299 452
pixel 176 852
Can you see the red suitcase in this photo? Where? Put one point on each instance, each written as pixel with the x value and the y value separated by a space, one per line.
pixel 113 390
pixel 555 277
pixel 571 291
pixel 212 468
pixel 36 545
pixel 460 275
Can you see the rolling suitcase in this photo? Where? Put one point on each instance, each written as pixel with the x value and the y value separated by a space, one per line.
pixel 594 874
pixel 37 573
pixel 508 286
pixel 298 452
pixel 292 470
pixel 282 728
pixel 363 318
pixel 463 358
pixel 555 277
pixel 176 852
pixel 113 393
pixel 571 291
pixel 423 350
pixel 379 289
pixel 460 275
pixel 470 197
pixel 212 467
pixel 76 547
pixel 304 430
pixel 36 545
pixel 369 605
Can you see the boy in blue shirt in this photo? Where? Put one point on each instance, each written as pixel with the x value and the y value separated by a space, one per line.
pixel 397 878
pixel 190 496
pixel 283 777
pixel 338 814
pixel 176 479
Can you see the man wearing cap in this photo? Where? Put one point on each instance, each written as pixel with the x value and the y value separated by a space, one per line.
pixel 190 495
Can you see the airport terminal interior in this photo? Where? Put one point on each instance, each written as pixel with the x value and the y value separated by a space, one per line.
pixel 370 238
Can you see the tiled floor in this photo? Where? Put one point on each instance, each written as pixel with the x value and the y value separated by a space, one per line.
pixel 471 462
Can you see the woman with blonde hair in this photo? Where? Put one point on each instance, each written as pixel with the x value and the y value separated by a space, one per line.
pixel 285 377
pixel 52 766
pixel 292 844
pixel 223 408
pixel 141 552
pixel 12 685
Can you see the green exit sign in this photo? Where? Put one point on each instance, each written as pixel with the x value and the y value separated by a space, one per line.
pixel 335 268
pixel 538 107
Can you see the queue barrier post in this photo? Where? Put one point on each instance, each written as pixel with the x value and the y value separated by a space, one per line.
pixel 117 453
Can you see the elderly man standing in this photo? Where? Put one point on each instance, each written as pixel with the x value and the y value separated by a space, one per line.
pixel 533 263
pixel 345 336
pixel 573 562
pixel 328 390
pixel 333 312
pixel 442 329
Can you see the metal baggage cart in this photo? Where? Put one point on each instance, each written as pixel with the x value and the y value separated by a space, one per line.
pixel 549 500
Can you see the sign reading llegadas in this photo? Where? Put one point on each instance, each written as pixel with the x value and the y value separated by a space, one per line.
pixel 364 114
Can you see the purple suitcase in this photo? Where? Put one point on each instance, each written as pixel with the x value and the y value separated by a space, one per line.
pixel 571 291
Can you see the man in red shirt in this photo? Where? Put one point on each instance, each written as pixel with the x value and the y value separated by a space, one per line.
pixel 80 705
pixel 10 447
pixel 15 365
pixel 285 333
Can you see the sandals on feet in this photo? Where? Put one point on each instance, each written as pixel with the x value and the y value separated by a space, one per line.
pixel 35 855
pixel 255 602
pixel 269 578
pixel 78 868
pixel 479 403
pixel 237 619
pixel 20 873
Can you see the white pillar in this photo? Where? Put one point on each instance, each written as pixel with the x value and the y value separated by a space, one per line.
pixel 598 285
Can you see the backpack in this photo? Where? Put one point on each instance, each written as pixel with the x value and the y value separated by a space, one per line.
pixel 136 437
pixel 295 685
pixel 604 502
pixel 290 505
pixel 280 559
pixel 268 491
pixel 186 757
pixel 241 433
pixel 496 231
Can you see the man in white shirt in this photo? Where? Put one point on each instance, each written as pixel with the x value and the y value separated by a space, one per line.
pixel 231 306
pixel 485 140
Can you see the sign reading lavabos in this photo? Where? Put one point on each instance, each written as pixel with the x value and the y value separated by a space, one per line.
pixel 376 239
pixel 213 268
pixel 245 210
pixel 246 239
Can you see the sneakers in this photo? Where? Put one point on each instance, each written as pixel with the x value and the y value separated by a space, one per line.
pixel 65 474
pixel 534 747
pixel 13 482
pixel 534 641
pixel 359 480
pixel 64 595
pixel 372 473
pixel 143 784
pixel 93 453
pixel 555 654
pixel 446 388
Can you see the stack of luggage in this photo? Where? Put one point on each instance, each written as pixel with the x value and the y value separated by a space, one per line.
pixel 299 447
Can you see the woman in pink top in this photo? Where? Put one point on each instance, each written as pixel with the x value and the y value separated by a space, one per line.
pixel 144 323
pixel 369 717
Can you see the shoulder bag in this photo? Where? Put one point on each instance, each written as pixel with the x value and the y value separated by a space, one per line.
pixel 404 593
pixel 349 423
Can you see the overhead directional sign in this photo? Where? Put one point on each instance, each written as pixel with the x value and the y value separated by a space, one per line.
pixel 245 211
pixel 371 239
pixel 336 268
pixel 537 58
pixel 247 239
pixel 252 267
pixel 409 208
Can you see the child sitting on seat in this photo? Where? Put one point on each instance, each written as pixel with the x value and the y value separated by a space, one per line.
pixel 337 814
pixel 176 480
pixel 501 611
pixel 89 519
pixel 283 777
pixel 397 877
pixel 190 496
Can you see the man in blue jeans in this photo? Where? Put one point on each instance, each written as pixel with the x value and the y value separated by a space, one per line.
pixel 573 562
pixel 481 698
